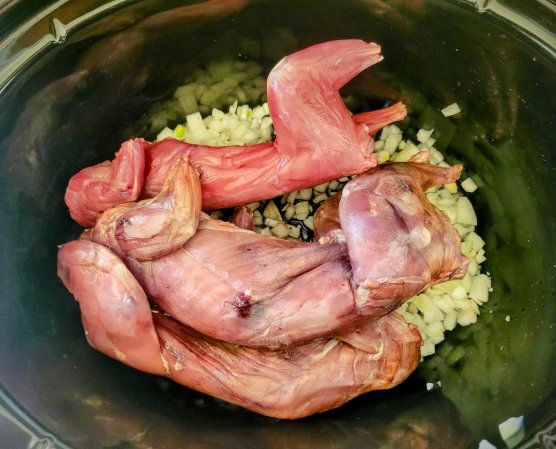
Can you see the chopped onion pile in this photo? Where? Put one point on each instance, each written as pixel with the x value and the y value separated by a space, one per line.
pixel 241 125
pixel 219 85
pixel 435 311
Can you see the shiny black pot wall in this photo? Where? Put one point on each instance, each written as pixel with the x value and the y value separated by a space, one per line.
pixel 73 88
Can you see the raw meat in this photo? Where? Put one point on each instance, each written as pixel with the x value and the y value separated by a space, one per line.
pixel 114 309
pixel 413 244
pixel 289 383
pixel 155 227
pixel 282 328
pixel 250 289
pixel 100 187
pixel 243 218
pixel 316 140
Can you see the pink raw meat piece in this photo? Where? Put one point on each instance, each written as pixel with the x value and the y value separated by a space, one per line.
pixel 157 226
pixel 251 289
pixel 95 189
pixel 289 383
pixel 243 218
pixel 255 290
pixel 114 308
pixel 316 140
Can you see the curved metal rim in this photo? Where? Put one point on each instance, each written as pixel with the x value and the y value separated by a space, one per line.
pixel 59 32
pixel 39 437
pixel 544 438
pixel 543 37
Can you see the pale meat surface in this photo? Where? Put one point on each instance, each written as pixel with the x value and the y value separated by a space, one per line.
pixel 114 308
pixel 294 382
pixel 251 289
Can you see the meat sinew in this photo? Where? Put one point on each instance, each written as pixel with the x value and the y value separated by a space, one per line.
pixel 293 382
pixel 289 383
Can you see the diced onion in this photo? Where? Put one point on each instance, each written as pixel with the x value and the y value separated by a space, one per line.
pixel 424 134
pixel 485 444
pixel 465 212
pixel 305 194
pixel 271 211
pixel 281 230
pixel 469 185
pixel 511 427
pixel 450 110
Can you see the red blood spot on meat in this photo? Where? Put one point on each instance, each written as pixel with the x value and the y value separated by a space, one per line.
pixel 124 221
pixel 242 305
pixel 120 231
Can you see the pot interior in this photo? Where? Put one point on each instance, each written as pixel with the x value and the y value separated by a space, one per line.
pixel 73 105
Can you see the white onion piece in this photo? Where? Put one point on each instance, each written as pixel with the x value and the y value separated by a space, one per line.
pixel 450 110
